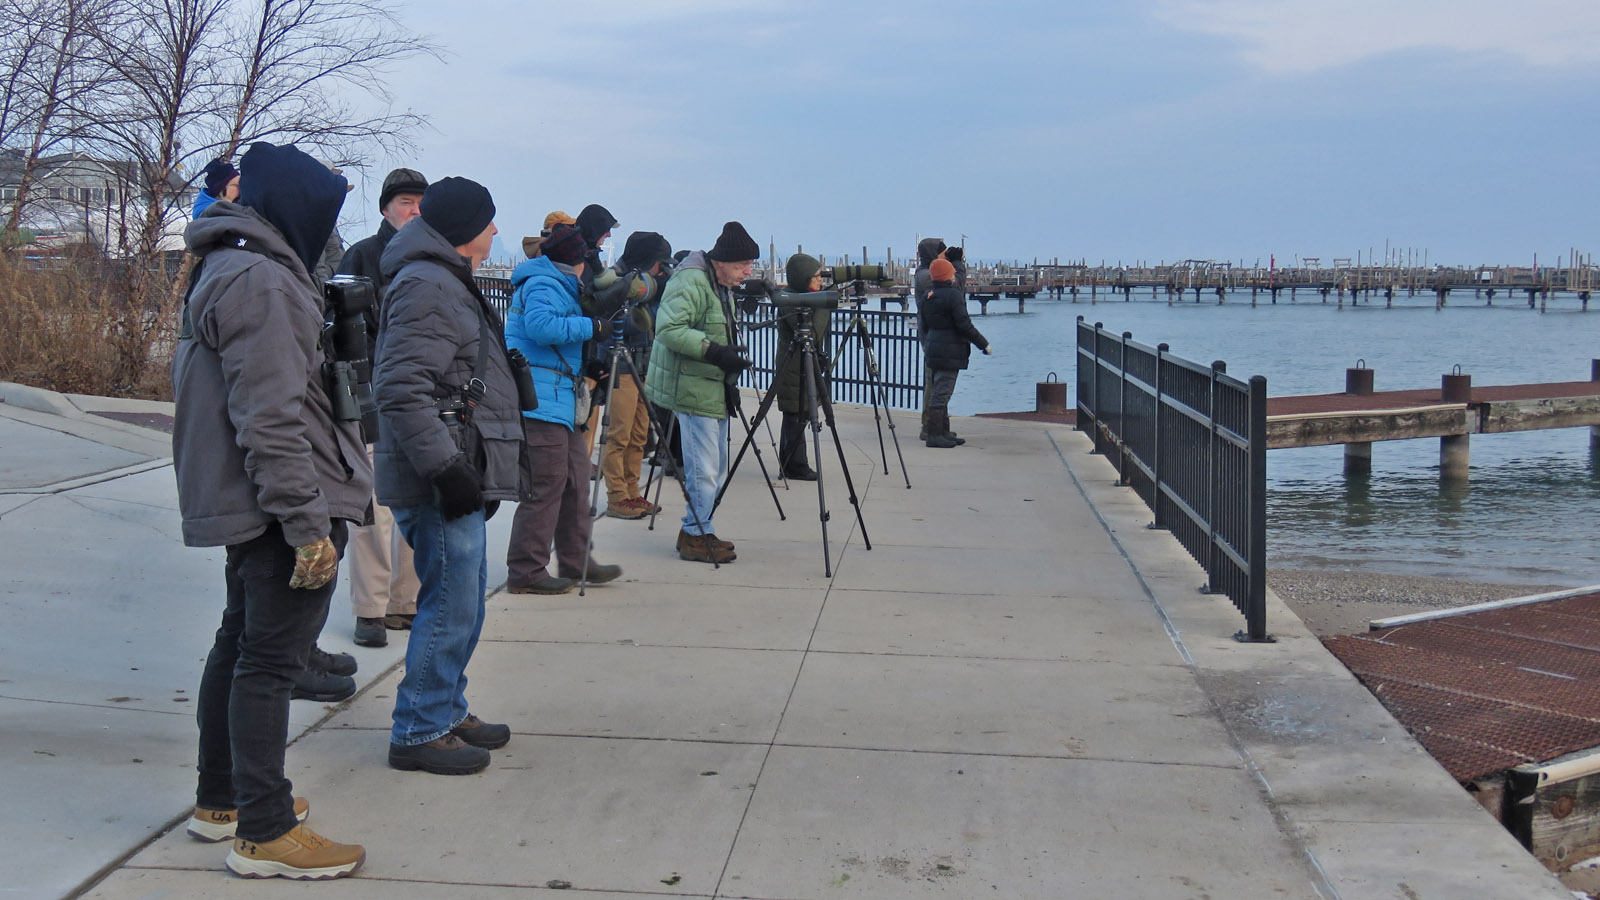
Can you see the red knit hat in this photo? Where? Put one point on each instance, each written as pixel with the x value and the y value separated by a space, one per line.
pixel 942 270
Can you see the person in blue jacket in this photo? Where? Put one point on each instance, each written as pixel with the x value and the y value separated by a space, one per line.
pixel 548 326
pixel 221 183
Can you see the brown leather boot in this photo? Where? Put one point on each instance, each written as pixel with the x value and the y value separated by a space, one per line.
pixel 701 548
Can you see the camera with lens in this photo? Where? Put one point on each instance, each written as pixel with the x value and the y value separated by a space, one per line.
pixel 878 275
pixel 346 299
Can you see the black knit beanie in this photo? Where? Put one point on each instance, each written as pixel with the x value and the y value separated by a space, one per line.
pixel 565 245
pixel 734 245
pixel 401 181
pixel 218 173
pixel 458 208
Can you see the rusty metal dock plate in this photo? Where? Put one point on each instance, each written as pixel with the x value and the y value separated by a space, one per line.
pixel 1489 690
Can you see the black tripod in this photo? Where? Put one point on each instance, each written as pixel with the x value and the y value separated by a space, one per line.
pixel 858 329
pixel 804 349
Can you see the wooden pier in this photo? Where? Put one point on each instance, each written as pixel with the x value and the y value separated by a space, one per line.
pixel 1359 417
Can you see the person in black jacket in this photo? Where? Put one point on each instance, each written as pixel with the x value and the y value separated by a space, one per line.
pixel 948 339
pixel 804 274
pixel 383 579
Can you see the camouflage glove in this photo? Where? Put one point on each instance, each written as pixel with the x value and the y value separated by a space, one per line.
pixel 314 565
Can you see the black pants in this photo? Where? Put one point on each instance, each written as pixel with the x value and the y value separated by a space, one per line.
pixel 792 442
pixel 265 638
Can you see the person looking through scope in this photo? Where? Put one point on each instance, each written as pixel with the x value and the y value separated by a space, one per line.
pixel 694 366
pixel 805 275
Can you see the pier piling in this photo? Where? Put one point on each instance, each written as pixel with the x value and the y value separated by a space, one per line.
pixel 1359 381
pixel 1455 450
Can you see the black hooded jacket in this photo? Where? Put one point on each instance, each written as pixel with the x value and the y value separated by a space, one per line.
pixel 593 223
pixel 295 194
pixel 950 335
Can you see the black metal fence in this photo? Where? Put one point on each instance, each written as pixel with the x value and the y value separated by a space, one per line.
pixel 893 336
pixel 1192 442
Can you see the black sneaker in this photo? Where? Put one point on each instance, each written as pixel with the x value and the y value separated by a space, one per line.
pixel 322 686
pixel 370 632
pixel 479 733
pixel 448 755
pixel 332 663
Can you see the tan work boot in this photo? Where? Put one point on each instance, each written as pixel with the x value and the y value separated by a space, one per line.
pixel 302 854
pixel 700 548
pixel 213 825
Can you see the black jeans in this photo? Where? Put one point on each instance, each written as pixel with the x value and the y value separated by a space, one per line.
pixel 266 636
pixel 792 442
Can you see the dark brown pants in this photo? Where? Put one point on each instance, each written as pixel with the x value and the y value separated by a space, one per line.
pixel 556 467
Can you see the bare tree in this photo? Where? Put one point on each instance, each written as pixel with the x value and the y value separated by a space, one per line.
pixel 302 61
pixel 48 69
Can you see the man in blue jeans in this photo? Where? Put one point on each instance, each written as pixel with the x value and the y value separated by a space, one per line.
pixel 449 440
pixel 693 366
pixel 266 469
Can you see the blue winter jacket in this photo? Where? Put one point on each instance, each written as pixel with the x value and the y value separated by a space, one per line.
pixel 546 323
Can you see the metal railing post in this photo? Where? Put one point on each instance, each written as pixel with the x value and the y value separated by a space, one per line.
pixel 1255 612
pixel 1158 464
pixel 1122 408
pixel 1213 567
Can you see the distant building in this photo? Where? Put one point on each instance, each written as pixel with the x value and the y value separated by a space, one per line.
pixel 77 199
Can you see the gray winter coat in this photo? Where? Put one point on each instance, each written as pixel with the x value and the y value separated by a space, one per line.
pixel 254 440
pixel 427 349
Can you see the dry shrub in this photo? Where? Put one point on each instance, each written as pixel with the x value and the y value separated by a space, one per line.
pixel 84 326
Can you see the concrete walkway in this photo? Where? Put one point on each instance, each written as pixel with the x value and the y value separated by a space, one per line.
pixel 1017 692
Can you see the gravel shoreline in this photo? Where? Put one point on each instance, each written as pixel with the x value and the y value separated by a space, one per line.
pixel 1343 601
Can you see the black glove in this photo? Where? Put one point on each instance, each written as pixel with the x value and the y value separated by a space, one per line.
pixel 602 328
pixel 727 358
pixel 596 369
pixel 954 254
pixel 607 300
pixel 459 488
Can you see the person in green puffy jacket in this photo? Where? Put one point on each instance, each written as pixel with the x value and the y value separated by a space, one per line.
pixel 693 365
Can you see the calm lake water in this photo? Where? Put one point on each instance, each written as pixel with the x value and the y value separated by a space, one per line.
pixel 1531 511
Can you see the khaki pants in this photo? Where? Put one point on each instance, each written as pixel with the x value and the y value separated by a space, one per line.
pixel 383 577
pixel 623 457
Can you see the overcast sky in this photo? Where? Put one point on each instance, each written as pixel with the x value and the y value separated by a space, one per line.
pixel 1143 129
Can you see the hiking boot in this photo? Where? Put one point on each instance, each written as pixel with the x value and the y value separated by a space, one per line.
pixel 302 854
pixel 370 632
pixel 549 584
pixel 447 755
pixel 800 473
pixel 719 542
pixel 600 573
pixel 322 686
pixel 479 733
pixel 703 548
pixel 332 663
pixel 399 621
pixel 625 509
pixel 648 507
pixel 213 825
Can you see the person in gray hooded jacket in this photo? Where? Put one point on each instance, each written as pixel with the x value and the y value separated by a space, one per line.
pixel 265 470
pixel 449 444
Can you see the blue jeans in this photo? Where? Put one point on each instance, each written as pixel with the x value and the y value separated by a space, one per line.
pixel 705 465
pixel 453 569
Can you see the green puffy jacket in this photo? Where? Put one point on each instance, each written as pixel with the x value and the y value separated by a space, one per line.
pixel 692 316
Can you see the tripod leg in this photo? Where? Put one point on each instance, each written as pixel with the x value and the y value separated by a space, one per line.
pixel 809 355
pixel 749 441
pixel 844 468
pixel 880 398
pixel 598 463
